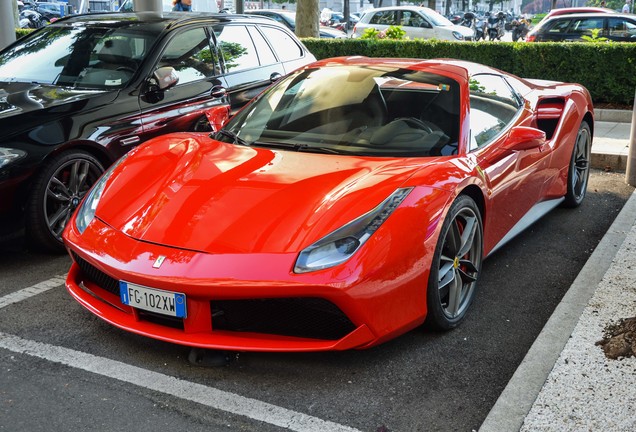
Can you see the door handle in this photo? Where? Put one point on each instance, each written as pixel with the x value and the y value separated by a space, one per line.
pixel 218 92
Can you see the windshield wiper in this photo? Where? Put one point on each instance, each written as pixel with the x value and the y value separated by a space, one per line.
pixel 231 135
pixel 296 147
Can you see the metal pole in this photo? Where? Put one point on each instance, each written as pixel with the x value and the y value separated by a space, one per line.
pixel 7 23
pixel 147 6
pixel 630 174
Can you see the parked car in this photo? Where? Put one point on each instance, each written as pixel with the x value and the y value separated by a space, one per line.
pixel 350 202
pixel 417 22
pixel 288 19
pixel 51 11
pixel 79 93
pixel 571 28
pixel 575 10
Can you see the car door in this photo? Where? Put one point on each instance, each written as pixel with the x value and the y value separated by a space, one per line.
pixel 514 178
pixel 249 62
pixel 199 92
pixel 415 25
pixel 381 20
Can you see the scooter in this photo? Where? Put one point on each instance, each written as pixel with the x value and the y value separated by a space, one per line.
pixel 31 19
pixel 496 27
pixel 470 21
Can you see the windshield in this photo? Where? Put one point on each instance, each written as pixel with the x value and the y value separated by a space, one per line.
pixel 436 18
pixel 74 56
pixel 361 110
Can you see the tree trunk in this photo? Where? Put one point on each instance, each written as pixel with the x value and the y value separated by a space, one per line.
pixel 307 18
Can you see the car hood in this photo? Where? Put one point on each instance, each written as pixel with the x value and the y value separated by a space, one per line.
pixel 20 98
pixel 463 30
pixel 191 192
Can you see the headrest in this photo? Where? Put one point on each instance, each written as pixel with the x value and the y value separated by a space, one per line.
pixel 115 51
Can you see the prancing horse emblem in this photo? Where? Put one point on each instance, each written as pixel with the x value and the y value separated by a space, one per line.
pixel 159 261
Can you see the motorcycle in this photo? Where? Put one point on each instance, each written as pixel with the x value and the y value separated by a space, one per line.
pixel 520 29
pixel 31 19
pixel 496 26
pixel 470 20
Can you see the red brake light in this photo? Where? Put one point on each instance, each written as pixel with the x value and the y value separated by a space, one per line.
pixel 531 38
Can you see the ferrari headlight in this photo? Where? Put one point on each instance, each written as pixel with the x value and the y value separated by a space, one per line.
pixel 8 155
pixel 341 244
pixel 86 212
pixel 457 35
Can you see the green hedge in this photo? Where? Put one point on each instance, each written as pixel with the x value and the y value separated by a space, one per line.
pixel 608 70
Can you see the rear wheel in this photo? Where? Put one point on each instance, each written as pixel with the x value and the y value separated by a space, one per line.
pixel 456 265
pixel 56 192
pixel 579 170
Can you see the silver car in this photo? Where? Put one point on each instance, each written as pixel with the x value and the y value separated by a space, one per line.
pixel 418 22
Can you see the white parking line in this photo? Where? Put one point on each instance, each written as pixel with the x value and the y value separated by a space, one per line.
pixel 208 396
pixel 32 291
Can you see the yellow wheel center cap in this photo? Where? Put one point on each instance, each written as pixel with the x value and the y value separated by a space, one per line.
pixel 456 262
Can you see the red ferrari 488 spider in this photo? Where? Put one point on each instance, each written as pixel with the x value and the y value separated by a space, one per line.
pixel 349 203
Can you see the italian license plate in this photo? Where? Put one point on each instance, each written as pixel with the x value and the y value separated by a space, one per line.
pixel 153 300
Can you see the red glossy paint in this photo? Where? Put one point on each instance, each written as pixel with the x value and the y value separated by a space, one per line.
pixel 231 220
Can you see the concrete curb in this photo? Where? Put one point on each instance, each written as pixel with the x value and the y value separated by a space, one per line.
pixel 609 162
pixel 515 402
pixel 610 115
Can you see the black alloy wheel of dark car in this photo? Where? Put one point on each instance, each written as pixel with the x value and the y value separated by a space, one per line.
pixel 456 265
pixel 579 171
pixel 57 191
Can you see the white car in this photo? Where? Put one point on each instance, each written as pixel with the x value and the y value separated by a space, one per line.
pixel 418 22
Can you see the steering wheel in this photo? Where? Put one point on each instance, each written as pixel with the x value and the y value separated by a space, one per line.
pixel 416 123
pixel 126 69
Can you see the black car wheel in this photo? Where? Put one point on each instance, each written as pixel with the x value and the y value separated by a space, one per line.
pixel 56 193
pixel 456 265
pixel 579 170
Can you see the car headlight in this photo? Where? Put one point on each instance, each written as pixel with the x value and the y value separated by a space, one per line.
pixel 341 244
pixel 8 155
pixel 86 212
pixel 457 35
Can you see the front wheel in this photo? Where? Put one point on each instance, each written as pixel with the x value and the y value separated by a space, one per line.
pixel 579 168
pixel 56 192
pixel 456 265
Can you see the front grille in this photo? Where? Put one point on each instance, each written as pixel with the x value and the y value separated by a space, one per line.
pixel 166 321
pixel 312 318
pixel 97 276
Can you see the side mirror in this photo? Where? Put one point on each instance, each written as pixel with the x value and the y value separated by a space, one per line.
pixel 524 138
pixel 165 77
pixel 425 24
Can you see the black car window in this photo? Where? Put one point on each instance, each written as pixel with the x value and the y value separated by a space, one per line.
pixel 620 27
pixel 189 53
pixel 384 18
pixel 286 47
pixel 558 26
pixel 265 54
pixel 237 47
pixel 585 25
pixel 493 105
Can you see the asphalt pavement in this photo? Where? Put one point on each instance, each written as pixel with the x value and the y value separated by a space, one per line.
pixel 566 382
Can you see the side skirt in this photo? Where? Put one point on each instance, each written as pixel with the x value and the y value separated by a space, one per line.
pixel 534 214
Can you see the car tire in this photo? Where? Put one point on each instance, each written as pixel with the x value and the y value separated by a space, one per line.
pixel 57 191
pixel 456 265
pixel 579 169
